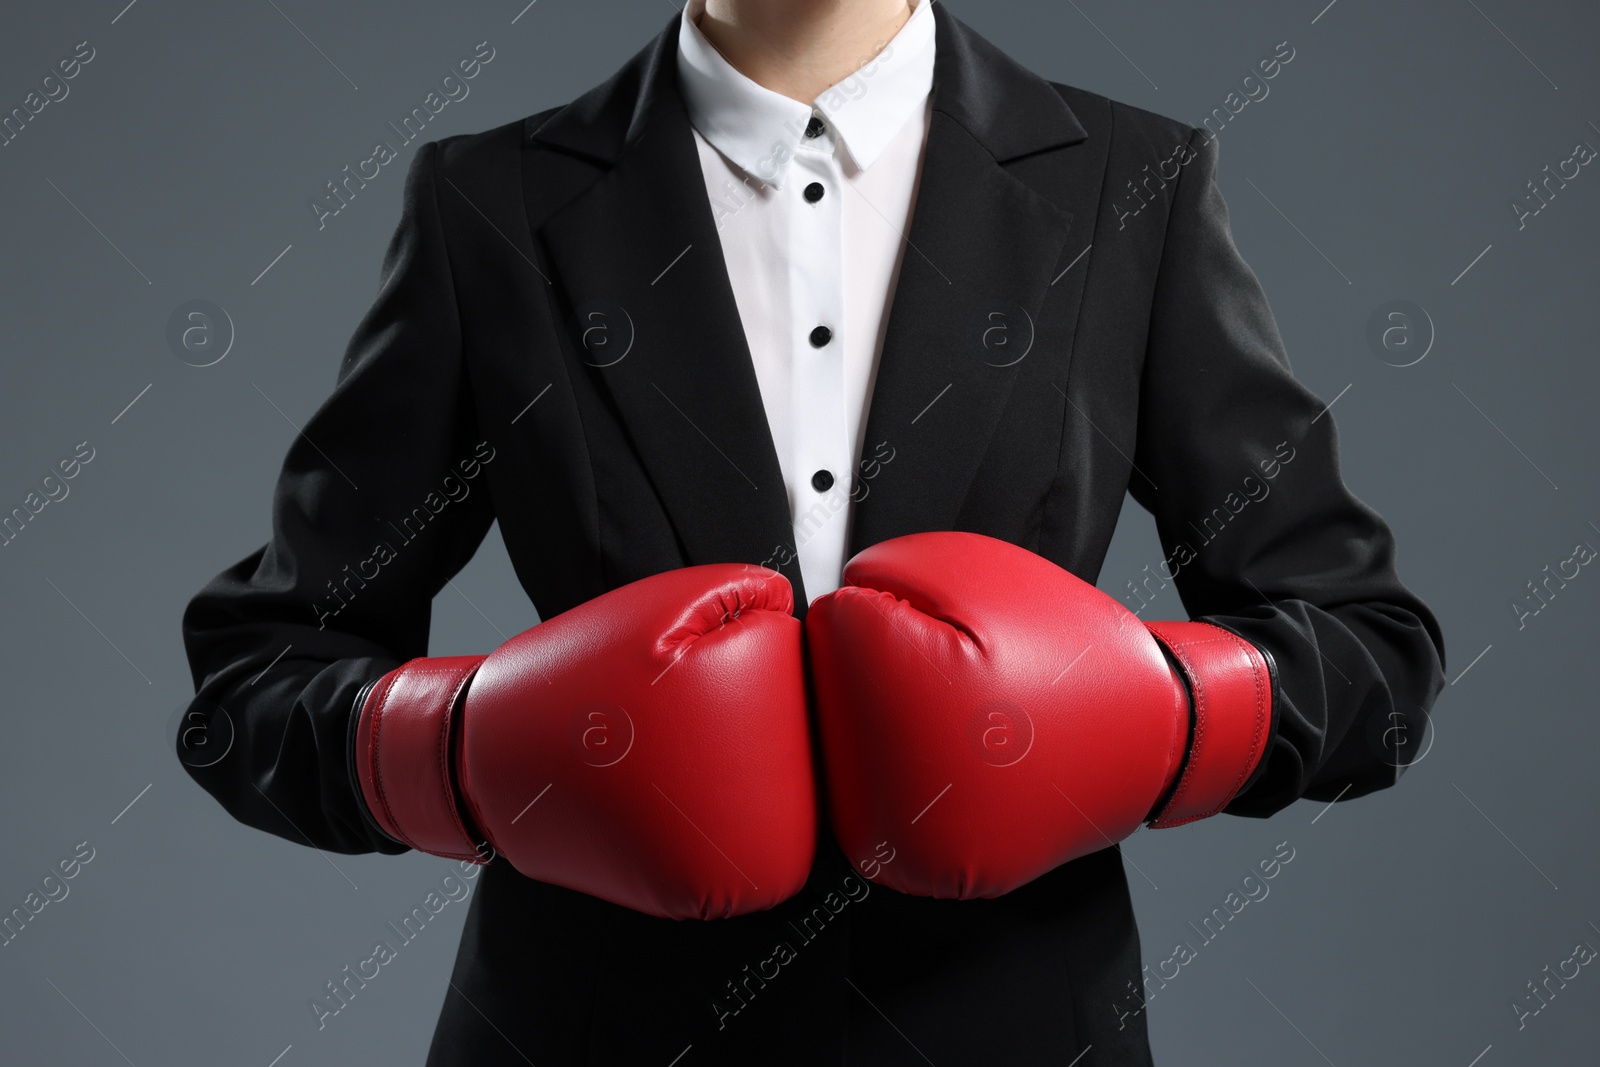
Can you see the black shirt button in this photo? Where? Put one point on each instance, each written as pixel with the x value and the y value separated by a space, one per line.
pixel 814 192
pixel 814 127
pixel 821 336
pixel 822 481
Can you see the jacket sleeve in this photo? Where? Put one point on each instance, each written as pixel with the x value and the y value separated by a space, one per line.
pixel 1238 463
pixel 380 501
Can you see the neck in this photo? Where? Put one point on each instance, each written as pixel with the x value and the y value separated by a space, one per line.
pixel 800 48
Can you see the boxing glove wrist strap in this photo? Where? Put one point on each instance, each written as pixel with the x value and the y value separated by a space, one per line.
pixel 1230 687
pixel 403 758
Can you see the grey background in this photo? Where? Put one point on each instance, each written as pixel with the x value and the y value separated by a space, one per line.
pixel 1380 166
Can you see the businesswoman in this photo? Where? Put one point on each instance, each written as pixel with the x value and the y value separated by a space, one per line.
pixel 805 363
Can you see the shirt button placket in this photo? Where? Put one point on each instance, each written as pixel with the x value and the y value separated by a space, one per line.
pixel 821 452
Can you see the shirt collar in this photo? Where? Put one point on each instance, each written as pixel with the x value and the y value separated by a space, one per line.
pixel 759 129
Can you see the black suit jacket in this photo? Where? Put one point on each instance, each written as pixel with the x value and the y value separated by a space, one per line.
pixel 555 346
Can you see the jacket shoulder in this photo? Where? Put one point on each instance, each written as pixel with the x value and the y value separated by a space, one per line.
pixel 1105 118
pixel 464 154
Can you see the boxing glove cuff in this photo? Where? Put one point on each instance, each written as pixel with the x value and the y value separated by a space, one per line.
pixel 403 755
pixel 1230 689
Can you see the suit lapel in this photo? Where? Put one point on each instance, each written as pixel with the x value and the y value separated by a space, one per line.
pixel 983 248
pixel 639 259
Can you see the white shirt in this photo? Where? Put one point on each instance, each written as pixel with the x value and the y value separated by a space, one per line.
pixel 812 232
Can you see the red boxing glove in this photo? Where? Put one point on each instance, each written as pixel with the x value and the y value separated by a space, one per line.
pixel 990 716
pixel 649 747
